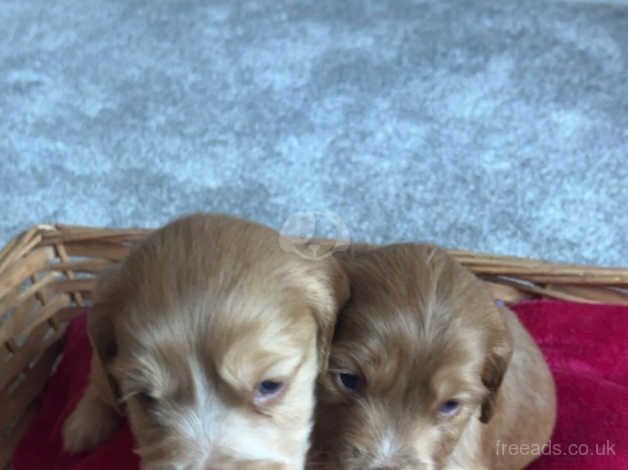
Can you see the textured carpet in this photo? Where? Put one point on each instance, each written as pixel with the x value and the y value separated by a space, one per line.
pixel 499 126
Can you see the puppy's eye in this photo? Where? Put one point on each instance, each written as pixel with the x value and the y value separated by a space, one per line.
pixel 448 407
pixel 268 389
pixel 348 381
pixel 146 399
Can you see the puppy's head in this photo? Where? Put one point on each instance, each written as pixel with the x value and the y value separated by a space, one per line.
pixel 419 351
pixel 213 338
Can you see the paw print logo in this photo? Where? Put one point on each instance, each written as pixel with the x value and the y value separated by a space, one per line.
pixel 303 233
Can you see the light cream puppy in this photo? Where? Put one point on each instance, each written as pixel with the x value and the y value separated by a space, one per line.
pixel 211 337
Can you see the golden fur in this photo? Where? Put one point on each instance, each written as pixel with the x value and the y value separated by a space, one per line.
pixel 421 330
pixel 195 319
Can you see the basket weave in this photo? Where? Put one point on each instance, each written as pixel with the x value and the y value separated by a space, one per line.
pixel 48 272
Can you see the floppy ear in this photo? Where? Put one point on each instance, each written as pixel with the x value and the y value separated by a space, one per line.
pixel 327 300
pixel 101 334
pixel 496 365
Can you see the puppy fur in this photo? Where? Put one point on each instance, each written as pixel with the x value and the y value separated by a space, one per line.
pixel 421 330
pixel 186 330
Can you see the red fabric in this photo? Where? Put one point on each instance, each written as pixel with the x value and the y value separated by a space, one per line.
pixel 587 348
pixel 42 446
pixel 585 345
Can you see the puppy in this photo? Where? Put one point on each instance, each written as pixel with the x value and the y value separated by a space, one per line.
pixel 211 338
pixel 426 372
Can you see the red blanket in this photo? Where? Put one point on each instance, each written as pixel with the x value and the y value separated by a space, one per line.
pixel 585 345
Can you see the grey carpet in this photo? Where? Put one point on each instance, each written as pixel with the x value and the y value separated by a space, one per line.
pixel 493 125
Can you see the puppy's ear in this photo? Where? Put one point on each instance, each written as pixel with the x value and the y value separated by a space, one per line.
pixel 101 334
pixel 327 300
pixel 496 364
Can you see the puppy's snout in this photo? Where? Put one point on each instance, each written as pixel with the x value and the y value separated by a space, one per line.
pixel 247 465
pixel 397 467
pixel 416 466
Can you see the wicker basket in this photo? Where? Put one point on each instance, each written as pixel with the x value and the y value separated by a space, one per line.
pixel 47 274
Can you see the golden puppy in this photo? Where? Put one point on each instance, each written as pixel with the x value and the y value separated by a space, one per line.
pixel 426 372
pixel 211 337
